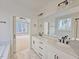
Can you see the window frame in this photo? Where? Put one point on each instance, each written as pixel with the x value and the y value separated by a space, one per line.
pixel 21 25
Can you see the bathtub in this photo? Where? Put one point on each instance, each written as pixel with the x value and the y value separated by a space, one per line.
pixel 4 51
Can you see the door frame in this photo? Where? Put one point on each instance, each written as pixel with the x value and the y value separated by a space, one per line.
pixel 14 37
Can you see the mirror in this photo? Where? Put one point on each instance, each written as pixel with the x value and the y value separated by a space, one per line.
pixel 58 27
pixel 77 29
pixel 46 25
pixel 61 26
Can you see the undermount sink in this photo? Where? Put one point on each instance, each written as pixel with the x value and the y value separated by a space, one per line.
pixel 63 45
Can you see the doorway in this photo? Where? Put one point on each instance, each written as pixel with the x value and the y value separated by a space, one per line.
pixel 21 36
pixel 77 29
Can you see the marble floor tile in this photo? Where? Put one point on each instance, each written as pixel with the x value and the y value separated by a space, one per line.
pixel 27 54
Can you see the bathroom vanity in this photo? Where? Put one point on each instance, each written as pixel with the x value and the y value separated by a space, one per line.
pixel 47 48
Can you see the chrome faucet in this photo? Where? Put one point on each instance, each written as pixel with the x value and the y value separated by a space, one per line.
pixel 63 39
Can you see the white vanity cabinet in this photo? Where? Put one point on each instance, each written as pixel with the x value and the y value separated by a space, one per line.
pixel 51 53
pixel 62 55
pixel 46 51
pixel 57 54
pixel 42 55
pixel 43 50
pixel 39 47
pixel 35 44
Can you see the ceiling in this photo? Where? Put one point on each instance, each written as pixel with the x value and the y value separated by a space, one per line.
pixel 33 5
pixel 22 7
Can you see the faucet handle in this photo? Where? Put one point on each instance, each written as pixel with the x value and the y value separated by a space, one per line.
pixel 59 40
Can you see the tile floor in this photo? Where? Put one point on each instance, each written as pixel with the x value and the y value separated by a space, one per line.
pixel 22 48
pixel 27 54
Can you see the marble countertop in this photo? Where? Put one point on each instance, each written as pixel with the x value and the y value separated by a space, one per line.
pixel 63 47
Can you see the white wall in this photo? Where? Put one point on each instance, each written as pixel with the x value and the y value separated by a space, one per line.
pixel 5 29
pixel 34 26
pixel 14 8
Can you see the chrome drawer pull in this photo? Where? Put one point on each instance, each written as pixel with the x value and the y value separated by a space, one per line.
pixel 40 47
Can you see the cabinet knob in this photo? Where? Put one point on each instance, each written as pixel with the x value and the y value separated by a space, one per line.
pixel 57 57
pixel 54 56
pixel 33 42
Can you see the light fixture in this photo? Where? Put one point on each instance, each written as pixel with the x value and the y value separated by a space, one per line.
pixel 77 19
pixel 40 14
pixel 64 2
pixel 21 18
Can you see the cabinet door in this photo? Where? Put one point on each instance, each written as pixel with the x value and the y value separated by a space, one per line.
pixel 51 52
pixel 34 44
pixel 43 55
pixel 43 50
pixel 34 41
pixel 62 55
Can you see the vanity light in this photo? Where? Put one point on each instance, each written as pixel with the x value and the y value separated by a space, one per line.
pixel 3 22
pixel 64 2
pixel 22 18
pixel 77 19
pixel 40 14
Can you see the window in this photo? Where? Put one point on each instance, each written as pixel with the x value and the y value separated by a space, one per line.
pixel 46 24
pixel 22 26
pixel 64 24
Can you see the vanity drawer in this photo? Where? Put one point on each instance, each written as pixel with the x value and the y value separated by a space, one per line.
pixel 43 47
pixel 43 55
